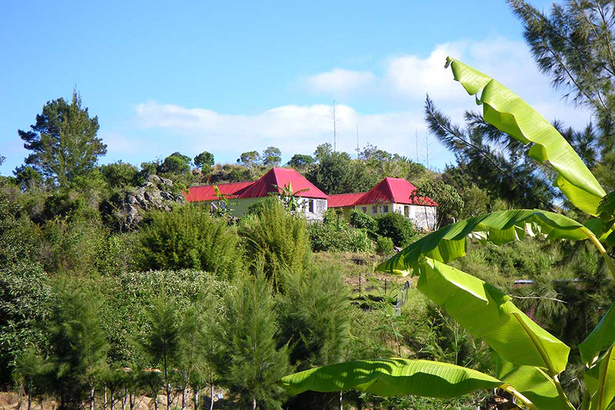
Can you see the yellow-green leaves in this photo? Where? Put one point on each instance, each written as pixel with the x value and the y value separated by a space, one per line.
pixel 600 381
pixel 600 339
pixel 508 112
pixel 449 243
pixel 392 377
pixel 488 313
pixel 530 381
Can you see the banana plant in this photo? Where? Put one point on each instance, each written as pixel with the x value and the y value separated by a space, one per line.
pixel 529 360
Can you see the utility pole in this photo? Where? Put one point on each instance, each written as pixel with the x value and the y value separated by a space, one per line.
pixel 334 128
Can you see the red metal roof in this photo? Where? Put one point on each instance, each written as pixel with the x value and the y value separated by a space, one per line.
pixel 394 190
pixel 281 177
pixel 208 193
pixel 341 200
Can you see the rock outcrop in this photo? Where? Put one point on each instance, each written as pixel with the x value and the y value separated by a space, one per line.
pixel 126 209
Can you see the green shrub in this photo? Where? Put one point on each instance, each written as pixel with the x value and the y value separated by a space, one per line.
pixel 276 240
pixel 188 238
pixel 326 237
pixel 127 299
pixel 25 295
pixel 72 244
pixel 361 220
pixel 384 246
pixel 397 227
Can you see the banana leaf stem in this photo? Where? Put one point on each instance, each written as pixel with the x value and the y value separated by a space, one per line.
pixel 603 252
pixel 526 402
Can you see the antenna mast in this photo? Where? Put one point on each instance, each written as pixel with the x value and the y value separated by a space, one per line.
pixel 334 128
pixel 358 149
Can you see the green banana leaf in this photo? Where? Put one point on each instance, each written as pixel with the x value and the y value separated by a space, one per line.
pixel 449 243
pixel 530 381
pixel 392 377
pixel 488 313
pixel 600 381
pixel 508 112
pixel 600 339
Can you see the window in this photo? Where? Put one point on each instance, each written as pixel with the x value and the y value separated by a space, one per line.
pixel 385 209
pixel 407 211
pixel 374 209
pixel 311 206
pixel 364 209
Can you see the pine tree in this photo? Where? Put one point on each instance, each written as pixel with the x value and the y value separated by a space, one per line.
pixel 574 45
pixel 162 341
pixel 314 314
pixel 78 345
pixel 250 363
pixel 63 141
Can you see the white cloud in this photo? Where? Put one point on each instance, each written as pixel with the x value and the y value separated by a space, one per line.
pixel 340 81
pixel 405 79
pixel 292 128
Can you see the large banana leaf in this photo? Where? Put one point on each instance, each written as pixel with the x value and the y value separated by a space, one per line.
pixel 600 339
pixel 392 377
pixel 600 381
pixel 486 312
pixel 508 112
pixel 530 381
pixel 449 243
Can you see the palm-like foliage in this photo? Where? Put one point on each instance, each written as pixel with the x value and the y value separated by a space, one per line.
pixel 529 359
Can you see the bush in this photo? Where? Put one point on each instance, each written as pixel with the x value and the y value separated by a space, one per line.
pixel 188 238
pixel 397 227
pixel 275 239
pixel 72 244
pixel 384 246
pixel 127 298
pixel 361 220
pixel 326 237
pixel 25 295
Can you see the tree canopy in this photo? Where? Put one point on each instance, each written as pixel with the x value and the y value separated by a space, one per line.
pixel 63 141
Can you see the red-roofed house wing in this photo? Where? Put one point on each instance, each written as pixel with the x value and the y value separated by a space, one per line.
pixel 391 195
pixel 242 195
pixel 280 178
pixel 208 193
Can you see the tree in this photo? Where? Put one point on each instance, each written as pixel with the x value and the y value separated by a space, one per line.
pixel 27 177
pixel 450 203
pixel 78 345
pixel 249 159
pixel 487 158
pixel 276 241
pixel 176 163
pixel 315 313
pixel 120 174
pixel 300 161
pixel 574 46
pixel 204 161
pixel 250 362
pixel 529 360
pixel 272 157
pixel 162 341
pixel 188 238
pixel 63 141
pixel 333 172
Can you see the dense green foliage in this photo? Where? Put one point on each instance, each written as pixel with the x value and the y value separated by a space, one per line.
pixel 276 240
pixel 250 362
pixel 188 238
pixel 397 227
pixel 63 141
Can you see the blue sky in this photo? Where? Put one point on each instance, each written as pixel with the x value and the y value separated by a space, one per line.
pixel 229 77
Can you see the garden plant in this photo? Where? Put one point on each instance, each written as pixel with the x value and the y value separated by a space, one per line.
pixel 528 360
